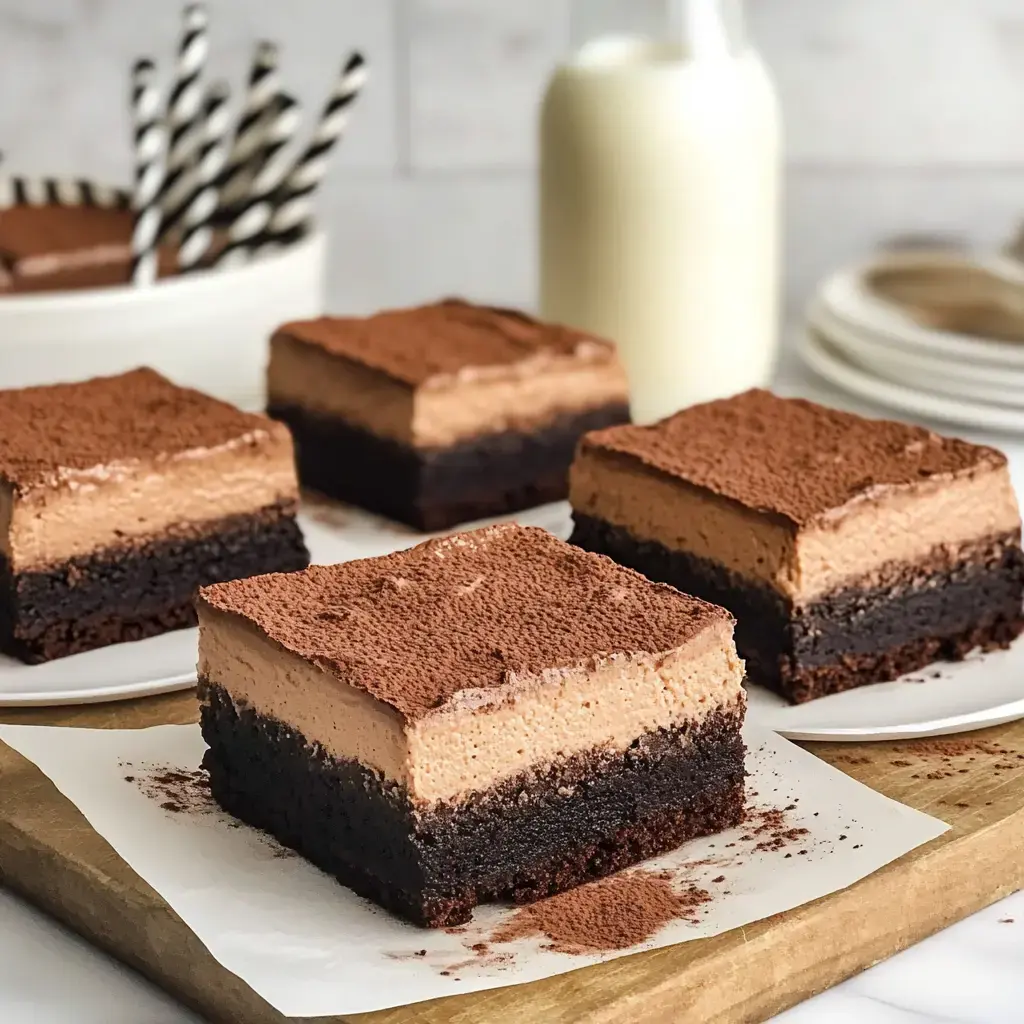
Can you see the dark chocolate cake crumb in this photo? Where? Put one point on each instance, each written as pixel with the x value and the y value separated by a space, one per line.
pixel 614 913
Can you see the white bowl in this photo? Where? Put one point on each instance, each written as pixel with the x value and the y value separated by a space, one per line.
pixel 206 330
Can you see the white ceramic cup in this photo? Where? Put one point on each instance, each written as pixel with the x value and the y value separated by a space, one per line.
pixel 206 330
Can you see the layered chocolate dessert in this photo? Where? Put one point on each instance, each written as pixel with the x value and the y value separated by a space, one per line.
pixel 444 413
pixel 119 497
pixel 60 248
pixel 850 550
pixel 494 715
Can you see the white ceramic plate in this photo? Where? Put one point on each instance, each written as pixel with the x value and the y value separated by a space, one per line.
pixel 166 663
pixel 845 296
pixel 828 363
pixel 1000 385
pixel 984 689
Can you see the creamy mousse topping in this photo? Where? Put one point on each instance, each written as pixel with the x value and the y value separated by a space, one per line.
pixel 119 460
pixel 464 661
pixel 788 493
pixel 435 375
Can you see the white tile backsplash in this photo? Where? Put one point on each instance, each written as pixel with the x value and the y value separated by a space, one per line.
pixel 897 83
pixel 410 240
pixel 901 116
pixel 476 72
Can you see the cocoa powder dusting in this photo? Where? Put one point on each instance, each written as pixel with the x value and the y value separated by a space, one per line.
pixel 176 790
pixel 769 826
pixel 614 913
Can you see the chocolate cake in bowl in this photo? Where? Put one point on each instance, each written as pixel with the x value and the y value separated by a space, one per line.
pixel 119 497
pixel 850 550
pixel 444 413
pixel 494 715
pixel 54 248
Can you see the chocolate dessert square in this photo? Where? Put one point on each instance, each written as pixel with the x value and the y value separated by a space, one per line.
pixel 495 715
pixel 441 414
pixel 54 247
pixel 119 497
pixel 850 550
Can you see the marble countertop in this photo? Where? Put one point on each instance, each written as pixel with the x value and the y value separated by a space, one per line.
pixel 972 973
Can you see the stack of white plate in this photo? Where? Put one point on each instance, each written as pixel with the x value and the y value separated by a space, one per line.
pixel 934 334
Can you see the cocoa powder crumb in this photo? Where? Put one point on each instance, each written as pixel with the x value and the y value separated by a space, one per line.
pixel 613 913
pixel 176 790
pixel 901 764
pixel 720 878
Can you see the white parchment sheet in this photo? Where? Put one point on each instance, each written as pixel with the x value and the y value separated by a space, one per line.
pixel 310 947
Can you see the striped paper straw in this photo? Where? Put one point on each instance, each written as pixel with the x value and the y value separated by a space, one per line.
pixel 22 191
pixel 260 174
pixel 183 106
pixel 213 124
pixel 150 156
pixel 279 208
pixel 281 124
pixel 294 198
pixel 261 92
pixel 202 204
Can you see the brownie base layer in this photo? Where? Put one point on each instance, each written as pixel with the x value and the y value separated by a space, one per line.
pixel 132 593
pixel 435 488
pixel 530 837
pixel 850 637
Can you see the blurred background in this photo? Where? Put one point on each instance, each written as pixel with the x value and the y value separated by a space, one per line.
pixel 902 116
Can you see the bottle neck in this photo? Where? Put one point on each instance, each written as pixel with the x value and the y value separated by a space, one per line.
pixel 707 28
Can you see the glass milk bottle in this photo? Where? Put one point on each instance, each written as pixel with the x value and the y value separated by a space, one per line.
pixel 659 206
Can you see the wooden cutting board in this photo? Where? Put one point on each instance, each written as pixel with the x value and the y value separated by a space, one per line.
pixel 975 782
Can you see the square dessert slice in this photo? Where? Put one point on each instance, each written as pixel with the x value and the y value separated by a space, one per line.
pixel 119 497
pixel 494 715
pixel 850 550
pixel 441 414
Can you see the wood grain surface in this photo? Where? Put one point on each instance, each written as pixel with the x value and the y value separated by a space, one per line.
pixel 975 782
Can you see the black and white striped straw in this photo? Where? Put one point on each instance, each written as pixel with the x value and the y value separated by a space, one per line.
pixel 260 173
pixel 23 191
pixel 184 104
pixel 279 206
pixel 280 126
pixel 202 203
pixel 261 93
pixel 294 197
pixel 150 157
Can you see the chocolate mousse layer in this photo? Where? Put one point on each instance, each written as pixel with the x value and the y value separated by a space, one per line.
pixel 119 497
pixel 442 413
pixel 496 715
pixel 850 550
